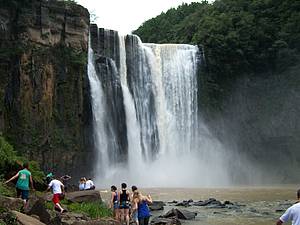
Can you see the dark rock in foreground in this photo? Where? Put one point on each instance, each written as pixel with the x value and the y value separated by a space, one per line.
pixel 157 205
pixel 26 220
pixel 11 203
pixel 84 196
pixel 180 214
pixel 165 221
pixel 40 210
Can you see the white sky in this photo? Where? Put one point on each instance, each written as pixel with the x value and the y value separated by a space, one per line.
pixel 127 15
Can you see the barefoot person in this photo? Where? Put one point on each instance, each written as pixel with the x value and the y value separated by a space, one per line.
pixel 141 203
pixel 22 186
pixel 292 213
pixel 57 190
pixel 114 203
pixel 124 199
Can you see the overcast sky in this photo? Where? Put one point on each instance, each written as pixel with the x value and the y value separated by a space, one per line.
pixel 127 15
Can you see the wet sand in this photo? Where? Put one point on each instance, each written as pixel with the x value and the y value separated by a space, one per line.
pixel 258 205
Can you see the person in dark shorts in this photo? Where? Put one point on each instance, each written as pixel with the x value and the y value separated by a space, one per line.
pixel 124 201
pixel 22 186
pixel 114 203
pixel 65 180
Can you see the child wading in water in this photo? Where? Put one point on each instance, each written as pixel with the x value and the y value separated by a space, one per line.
pixel 114 202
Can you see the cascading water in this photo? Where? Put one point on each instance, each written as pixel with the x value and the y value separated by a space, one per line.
pixel 99 113
pixel 167 144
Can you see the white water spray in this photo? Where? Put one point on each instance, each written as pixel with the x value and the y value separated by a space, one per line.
pixel 168 145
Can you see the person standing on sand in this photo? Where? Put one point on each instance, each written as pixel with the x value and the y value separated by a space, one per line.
pixel 124 199
pixel 292 213
pixel 57 190
pixel 114 203
pixel 22 186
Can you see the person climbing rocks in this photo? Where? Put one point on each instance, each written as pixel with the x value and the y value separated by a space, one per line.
pixel 58 191
pixel 22 186
pixel 292 213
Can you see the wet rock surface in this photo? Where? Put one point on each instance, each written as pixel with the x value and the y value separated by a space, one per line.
pixel 180 214
pixel 157 205
pixel 201 211
pixel 84 196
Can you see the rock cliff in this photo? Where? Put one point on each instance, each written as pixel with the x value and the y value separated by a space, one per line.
pixel 44 91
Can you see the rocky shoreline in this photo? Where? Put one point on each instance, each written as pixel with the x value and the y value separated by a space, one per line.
pixel 163 213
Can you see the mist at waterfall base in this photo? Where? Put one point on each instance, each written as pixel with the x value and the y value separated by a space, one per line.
pixel 168 144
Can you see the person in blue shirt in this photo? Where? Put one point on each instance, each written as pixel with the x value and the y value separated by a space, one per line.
pixel 22 186
pixel 141 204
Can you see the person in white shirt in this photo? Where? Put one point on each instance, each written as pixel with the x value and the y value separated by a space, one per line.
pixel 89 185
pixel 57 190
pixel 292 213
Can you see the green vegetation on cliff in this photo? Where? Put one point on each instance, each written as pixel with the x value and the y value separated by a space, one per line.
pixel 11 162
pixel 44 94
pixel 238 36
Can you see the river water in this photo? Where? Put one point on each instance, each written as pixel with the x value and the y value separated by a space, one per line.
pixel 256 205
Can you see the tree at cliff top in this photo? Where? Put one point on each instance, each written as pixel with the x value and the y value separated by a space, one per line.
pixel 238 36
pixel 249 89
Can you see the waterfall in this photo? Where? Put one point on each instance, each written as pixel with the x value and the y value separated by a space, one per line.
pixel 147 126
pixel 98 106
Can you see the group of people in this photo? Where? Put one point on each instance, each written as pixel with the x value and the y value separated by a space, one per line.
pixel 86 184
pixel 125 205
pixel 24 178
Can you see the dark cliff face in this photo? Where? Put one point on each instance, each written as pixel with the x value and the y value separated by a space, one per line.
pixel 44 91
pixel 105 44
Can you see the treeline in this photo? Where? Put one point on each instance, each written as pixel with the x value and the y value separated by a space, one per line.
pixel 238 36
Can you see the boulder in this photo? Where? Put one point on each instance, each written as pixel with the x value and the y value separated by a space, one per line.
pixel 157 205
pixel 184 203
pixel 165 221
pixel 180 214
pixel 26 220
pixel 173 202
pixel 40 210
pixel 84 196
pixel 11 203
pixel 205 203
pixel 108 221
pixel 70 218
